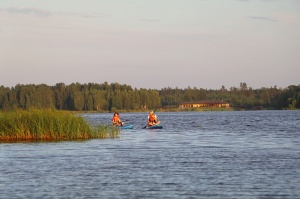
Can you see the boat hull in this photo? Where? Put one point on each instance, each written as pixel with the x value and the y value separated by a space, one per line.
pixel 129 126
pixel 154 127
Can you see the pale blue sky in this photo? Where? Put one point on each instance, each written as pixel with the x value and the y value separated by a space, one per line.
pixel 151 43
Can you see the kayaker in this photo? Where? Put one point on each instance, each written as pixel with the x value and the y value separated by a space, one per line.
pixel 116 120
pixel 152 119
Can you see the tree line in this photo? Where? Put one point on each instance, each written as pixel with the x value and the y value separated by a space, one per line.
pixel 115 96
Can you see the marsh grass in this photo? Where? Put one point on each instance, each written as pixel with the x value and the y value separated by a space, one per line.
pixel 41 125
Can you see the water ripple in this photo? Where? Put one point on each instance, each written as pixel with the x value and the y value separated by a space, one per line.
pixel 250 154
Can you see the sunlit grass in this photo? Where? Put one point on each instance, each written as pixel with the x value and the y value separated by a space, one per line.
pixel 41 125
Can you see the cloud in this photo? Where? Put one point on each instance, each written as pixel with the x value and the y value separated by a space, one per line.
pixel 31 11
pixel 262 18
pixel 83 15
pixel 150 20
pixel 44 13
pixel 250 0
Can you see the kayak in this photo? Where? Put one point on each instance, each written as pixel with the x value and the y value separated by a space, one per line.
pixel 154 127
pixel 129 126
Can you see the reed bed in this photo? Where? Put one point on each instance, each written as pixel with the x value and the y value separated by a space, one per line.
pixel 48 125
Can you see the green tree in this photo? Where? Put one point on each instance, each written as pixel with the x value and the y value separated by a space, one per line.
pixel 117 100
pixel 78 101
pixel 60 96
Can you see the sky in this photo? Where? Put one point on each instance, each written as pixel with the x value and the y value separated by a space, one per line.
pixel 151 44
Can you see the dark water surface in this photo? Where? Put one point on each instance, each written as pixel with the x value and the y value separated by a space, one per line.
pixel 247 154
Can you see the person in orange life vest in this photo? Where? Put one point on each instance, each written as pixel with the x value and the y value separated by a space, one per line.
pixel 116 120
pixel 152 119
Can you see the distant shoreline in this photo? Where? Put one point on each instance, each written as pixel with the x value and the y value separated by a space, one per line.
pixel 182 110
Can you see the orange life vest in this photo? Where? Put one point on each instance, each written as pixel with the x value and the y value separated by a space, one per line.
pixel 152 118
pixel 116 119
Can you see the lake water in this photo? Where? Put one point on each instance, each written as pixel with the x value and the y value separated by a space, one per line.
pixel 246 154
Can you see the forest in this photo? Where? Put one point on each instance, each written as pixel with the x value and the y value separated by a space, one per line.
pixel 114 96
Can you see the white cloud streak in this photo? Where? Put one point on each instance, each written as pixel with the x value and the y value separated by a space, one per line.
pixel 29 10
pixel 262 18
pixel 45 13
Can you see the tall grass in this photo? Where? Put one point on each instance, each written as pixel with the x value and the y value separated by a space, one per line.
pixel 38 125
